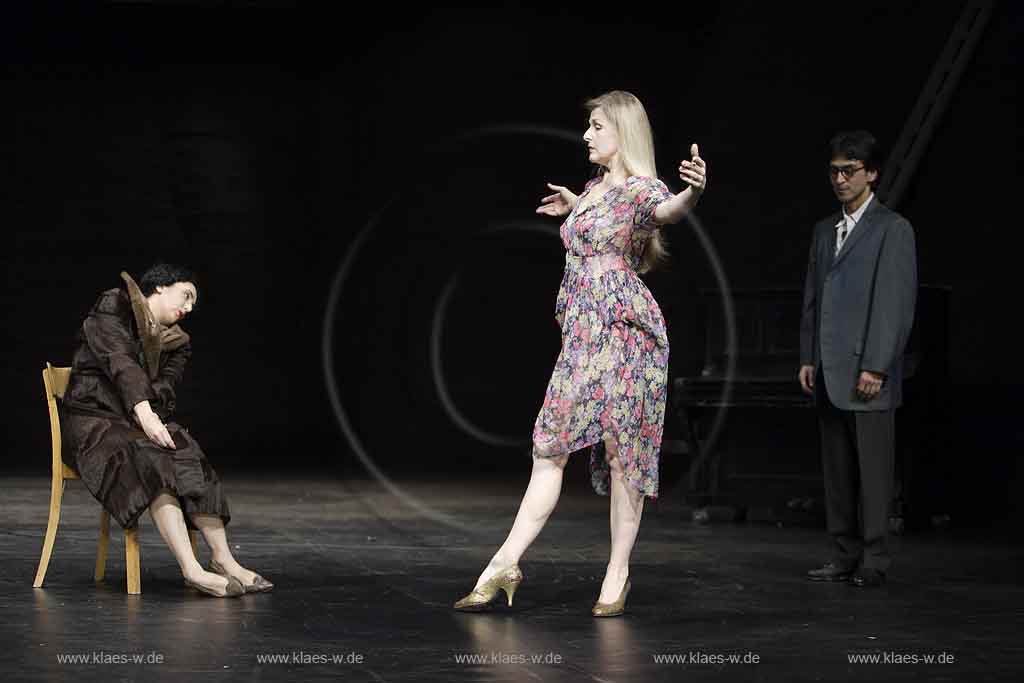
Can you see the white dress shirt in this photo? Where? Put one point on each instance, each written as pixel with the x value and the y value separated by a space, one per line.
pixel 849 221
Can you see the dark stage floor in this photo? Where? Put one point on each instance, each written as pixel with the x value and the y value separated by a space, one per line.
pixel 375 583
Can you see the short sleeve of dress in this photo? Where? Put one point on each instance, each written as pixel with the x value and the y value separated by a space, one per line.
pixel 646 194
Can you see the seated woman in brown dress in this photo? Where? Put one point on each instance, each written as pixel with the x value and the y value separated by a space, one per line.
pixel 130 355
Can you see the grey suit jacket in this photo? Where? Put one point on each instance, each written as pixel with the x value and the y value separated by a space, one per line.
pixel 859 307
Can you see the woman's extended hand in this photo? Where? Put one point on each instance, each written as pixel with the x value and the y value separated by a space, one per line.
pixel 558 204
pixel 694 172
pixel 152 425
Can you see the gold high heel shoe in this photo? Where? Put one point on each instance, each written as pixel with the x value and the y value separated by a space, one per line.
pixel 507 580
pixel 612 609
pixel 258 585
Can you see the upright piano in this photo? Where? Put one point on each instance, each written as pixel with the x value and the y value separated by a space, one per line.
pixel 763 377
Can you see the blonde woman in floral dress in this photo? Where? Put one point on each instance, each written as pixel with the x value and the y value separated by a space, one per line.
pixel 608 388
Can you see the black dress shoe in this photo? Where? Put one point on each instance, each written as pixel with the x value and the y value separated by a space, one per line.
pixel 829 572
pixel 867 578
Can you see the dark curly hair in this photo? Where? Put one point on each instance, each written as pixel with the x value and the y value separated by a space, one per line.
pixel 165 275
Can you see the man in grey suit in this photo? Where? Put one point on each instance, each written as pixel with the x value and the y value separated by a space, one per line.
pixel 858 310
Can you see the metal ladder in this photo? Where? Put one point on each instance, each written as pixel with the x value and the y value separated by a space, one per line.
pixel 931 103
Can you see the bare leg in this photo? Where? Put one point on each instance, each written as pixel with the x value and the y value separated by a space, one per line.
pixel 170 522
pixel 627 506
pixel 538 503
pixel 212 528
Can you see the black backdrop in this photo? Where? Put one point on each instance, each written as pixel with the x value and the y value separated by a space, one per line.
pixel 255 142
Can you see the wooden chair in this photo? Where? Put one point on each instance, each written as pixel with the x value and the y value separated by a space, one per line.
pixel 55 381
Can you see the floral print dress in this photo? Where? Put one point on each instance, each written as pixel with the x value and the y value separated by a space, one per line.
pixel 610 376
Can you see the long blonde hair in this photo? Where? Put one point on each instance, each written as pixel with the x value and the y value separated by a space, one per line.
pixel 636 149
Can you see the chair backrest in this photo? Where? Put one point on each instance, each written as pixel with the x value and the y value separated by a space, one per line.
pixel 55 382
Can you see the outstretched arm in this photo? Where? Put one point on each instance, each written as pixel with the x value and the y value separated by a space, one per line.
pixel 558 204
pixel 694 174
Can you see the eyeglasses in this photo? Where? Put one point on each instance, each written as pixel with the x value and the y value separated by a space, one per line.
pixel 847 171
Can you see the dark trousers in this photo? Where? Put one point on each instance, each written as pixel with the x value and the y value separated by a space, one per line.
pixel 857 452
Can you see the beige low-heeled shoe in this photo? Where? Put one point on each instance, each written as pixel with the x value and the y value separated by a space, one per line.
pixel 612 609
pixel 506 580
pixel 258 585
pixel 233 590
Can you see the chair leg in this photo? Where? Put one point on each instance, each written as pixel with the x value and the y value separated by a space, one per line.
pixel 131 560
pixel 56 494
pixel 101 547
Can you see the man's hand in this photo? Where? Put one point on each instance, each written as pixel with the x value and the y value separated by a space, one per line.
pixel 869 385
pixel 152 426
pixel 807 378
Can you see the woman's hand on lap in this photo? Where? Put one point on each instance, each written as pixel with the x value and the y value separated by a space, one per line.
pixel 151 424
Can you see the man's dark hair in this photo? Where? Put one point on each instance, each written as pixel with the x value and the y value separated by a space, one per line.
pixel 165 275
pixel 857 145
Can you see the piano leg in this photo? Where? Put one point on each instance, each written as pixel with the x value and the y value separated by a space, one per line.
pixel 699 492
